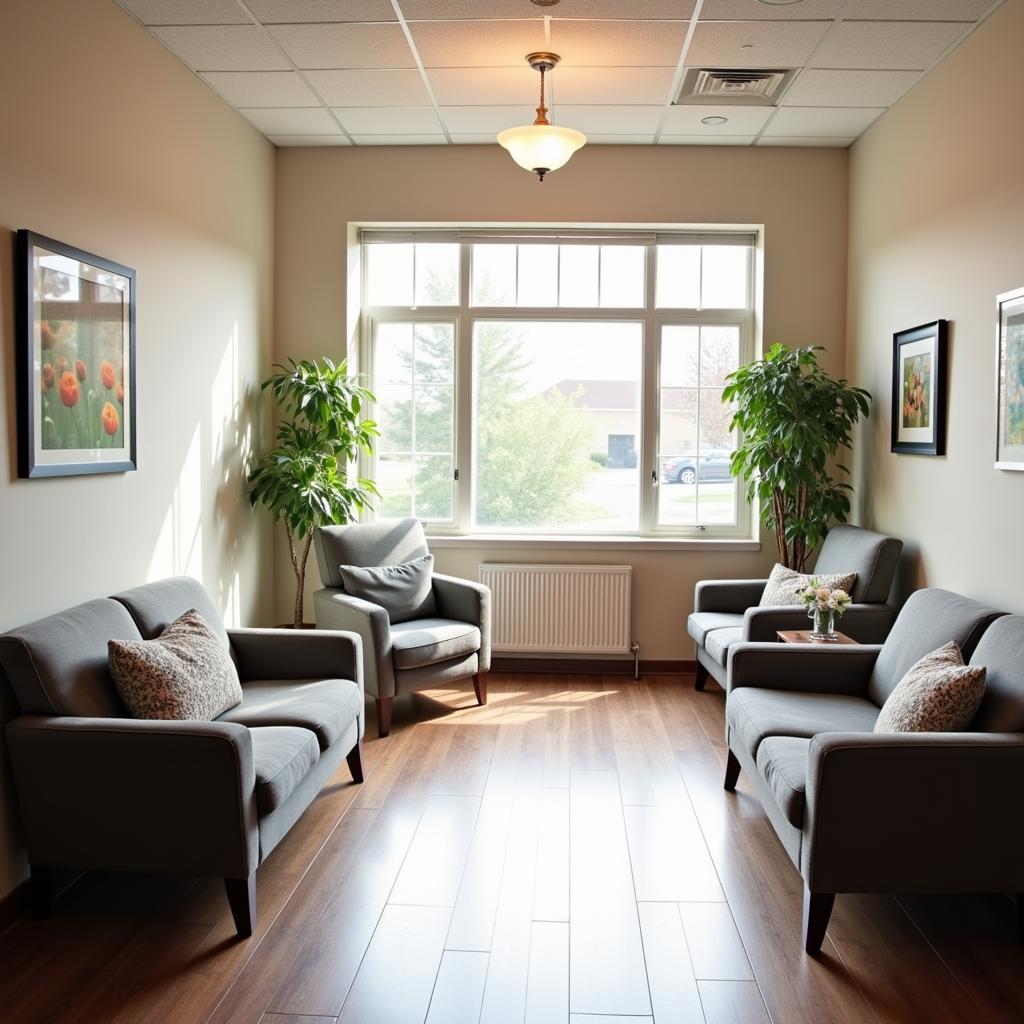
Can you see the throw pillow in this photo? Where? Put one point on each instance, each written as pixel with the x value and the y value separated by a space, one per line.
pixel 784 583
pixel 183 674
pixel 939 693
pixel 404 591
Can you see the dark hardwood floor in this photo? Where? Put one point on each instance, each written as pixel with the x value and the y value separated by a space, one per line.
pixel 564 854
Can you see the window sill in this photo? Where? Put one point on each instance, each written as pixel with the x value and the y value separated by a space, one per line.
pixel 596 543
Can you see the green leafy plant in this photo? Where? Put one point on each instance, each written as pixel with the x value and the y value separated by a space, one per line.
pixel 305 481
pixel 794 418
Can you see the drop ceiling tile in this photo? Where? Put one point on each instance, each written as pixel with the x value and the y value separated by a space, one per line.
pixel 706 140
pixel 685 119
pixel 887 44
pixel 833 122
pixel 609 120
pixel 387 120
pixel 457 9
pixel 477 44
pixel 456 86
pixel 751 10
pixel 261 88
pixel 798 140
pixel 617 43
pixel 286 120
pixel 309 140
pixel 186 12
pixel 370 88
pixel 771 44
pixel 291 11
pixel 912 10
pixel 477 120
pixel 400 140
pixel 817 88
pixel 352 45
pixel 223 47
pixel 646 139
pixel 612 85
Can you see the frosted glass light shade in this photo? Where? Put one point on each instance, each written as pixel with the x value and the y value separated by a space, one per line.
pixel 538 147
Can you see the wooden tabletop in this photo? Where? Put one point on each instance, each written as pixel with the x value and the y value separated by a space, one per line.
pixel 803 636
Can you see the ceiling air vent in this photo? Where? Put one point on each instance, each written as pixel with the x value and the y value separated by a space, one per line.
pixel 733 86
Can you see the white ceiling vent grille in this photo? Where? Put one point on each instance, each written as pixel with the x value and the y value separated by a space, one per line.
pixel 733 86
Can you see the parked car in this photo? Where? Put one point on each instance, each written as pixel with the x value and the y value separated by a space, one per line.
pixel 686 469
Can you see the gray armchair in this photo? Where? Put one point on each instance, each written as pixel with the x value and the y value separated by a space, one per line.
pixel 401 657
pixel 890 812
pixel 725 612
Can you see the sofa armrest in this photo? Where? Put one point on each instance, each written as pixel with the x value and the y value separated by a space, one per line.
pixel 866 623
pixel 466 601
pixel 127 794
pixel 893 812
pixel 727 595
pixel 806 668
pixel 338 611
pixel 297 654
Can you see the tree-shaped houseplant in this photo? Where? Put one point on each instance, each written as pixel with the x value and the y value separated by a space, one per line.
pixel 306 481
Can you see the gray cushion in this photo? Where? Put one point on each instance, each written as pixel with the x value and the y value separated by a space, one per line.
pixel 782 762
pixel 325 706
pixel 385 542
pixel 427 641
pixel 719 640
pixel 872 556
pixel 283 756
pixel 1001 651
pixel 58 665
pixel 699 624
pixel 753 714
pixel 403 591
pixel 154 606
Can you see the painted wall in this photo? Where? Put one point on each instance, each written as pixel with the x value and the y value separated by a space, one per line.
pixel 799 195
pixel 110 144
pixel 936 222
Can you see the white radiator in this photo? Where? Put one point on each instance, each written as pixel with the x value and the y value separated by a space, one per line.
pixel 577 609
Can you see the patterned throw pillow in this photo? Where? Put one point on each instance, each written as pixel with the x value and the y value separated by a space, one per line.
pixel 939 693
pixel 183 674
pixel 405 591
pixel 784 583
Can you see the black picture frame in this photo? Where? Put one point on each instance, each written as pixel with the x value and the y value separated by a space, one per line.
pixel 919 389
pixel 75 356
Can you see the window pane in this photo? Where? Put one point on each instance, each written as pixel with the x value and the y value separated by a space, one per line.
pixel 394 406
pixel 557 425
pixel 494 275
pixel 719 354
pixel 677 282
pixel 538 275
pixel 392 355
pixel 389 274
pixel 680 357
pixel 724 277
pixel 578 275
pixel 437 274
pixel 434 420
pixel 434 485
pixel 677 462
pixel 435 353
pixel 394 481
pixel 622 275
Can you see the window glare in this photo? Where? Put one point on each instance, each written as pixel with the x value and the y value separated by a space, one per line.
pixel 723 277
pixel 678 276
pixel 389 275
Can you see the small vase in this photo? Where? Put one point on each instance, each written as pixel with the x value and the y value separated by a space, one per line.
pixel 824 623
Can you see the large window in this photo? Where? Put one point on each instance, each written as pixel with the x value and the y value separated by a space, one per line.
pixel 558 383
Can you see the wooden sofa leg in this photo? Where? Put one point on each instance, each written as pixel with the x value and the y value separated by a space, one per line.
pixel 480 686
pixel 702 677
pixel 355 761
pixel 384 706
pixel 242 900
pixel 732 772
pixel 817 911
pixel 41 891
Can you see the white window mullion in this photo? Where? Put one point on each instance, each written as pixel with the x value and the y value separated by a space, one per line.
pixel 464 400
pixel 650 397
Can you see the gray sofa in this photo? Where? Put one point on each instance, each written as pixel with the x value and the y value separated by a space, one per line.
pixel 725 612
pixel 401 657
pixel 896 812
pixel 100 790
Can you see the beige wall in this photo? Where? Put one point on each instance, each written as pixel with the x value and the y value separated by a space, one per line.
pixel 799 195
pixel 110 144
pixel 936 223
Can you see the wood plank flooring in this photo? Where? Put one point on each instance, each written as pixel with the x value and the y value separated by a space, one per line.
pixel 565 855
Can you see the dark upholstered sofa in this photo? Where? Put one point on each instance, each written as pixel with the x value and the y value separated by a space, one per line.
pixel 100 790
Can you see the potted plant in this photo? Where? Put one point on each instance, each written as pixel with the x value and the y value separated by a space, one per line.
pixel 794 418
pixel 305 481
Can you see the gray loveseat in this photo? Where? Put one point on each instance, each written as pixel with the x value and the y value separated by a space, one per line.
pixel 889 812
pixel 725 612
pixel 100 790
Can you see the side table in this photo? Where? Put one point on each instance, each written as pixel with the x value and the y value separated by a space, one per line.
pixel 803 636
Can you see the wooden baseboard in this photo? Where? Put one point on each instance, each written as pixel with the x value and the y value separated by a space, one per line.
pixel 18 902
pixel 591 666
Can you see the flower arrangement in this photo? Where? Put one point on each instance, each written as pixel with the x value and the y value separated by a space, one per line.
pixel 824 605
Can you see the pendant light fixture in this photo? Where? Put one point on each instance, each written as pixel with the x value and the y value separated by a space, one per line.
pixel 541 147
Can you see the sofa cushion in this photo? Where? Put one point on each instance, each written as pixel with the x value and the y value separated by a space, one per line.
pixel 404 591
pixel 782 762
pixel 1001 651
pixel 427 641
pixel 752 714
pixel 699 624
pixel 182 675
pixel 384 542
pixel 325 706
pixel 719 641
pixel 283 756
pixel 154 606
pixel 784 585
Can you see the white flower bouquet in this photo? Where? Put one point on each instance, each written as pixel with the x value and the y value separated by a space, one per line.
pixel 815 597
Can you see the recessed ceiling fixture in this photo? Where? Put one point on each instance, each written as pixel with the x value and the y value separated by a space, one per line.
pixel 551 3
pixel 714 119
pixel 770 3
pixel 541 147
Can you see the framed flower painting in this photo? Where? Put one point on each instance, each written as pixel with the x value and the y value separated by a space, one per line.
pixel 76 360
pixel 919 390
pixel 1010 380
